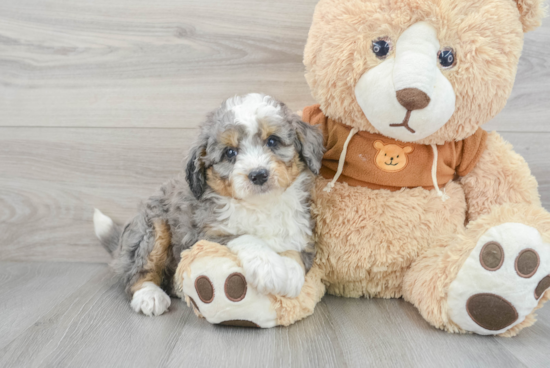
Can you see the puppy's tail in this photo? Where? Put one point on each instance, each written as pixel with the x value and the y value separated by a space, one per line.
pixel 107 231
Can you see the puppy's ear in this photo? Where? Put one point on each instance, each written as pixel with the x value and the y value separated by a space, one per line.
pixel 195 173
pixel 309 143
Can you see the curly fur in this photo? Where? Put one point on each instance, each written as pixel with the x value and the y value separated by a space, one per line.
pixel 212 202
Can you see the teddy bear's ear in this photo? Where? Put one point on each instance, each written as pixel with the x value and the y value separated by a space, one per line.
pixel 378 145
pixel 531 13
pixel 408 149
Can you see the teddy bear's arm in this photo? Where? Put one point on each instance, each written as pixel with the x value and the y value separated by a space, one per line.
pixel 501 176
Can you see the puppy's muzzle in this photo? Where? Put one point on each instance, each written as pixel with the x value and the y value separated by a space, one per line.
pixel 258 177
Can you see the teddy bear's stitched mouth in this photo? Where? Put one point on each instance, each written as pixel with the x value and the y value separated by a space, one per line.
pixel 405 123
pixel 390 164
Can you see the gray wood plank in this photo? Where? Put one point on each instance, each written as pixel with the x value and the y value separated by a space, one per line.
pixel 531 346
pixel 391 333
pixel 28 291
pixel 164 63
pixel 146 64
pixel 95 323
pixel 308 343
pixel 52 178
pixel 527 109
pixel 95 327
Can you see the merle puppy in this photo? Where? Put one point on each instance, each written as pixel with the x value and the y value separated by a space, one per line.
pixel 248 185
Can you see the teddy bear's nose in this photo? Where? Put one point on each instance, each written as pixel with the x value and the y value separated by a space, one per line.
pixel 412 98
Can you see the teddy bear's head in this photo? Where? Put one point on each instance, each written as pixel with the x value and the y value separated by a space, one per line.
pixel 424 71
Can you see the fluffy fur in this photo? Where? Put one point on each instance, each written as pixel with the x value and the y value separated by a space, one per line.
pixel 410 243
pixel 486 35
pixel 219 202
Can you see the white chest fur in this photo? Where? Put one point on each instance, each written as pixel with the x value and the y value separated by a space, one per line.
pixel 282 220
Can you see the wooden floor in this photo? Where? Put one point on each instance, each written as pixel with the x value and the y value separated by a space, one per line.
pixel 99 100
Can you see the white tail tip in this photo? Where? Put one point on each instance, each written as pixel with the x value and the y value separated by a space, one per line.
pixel 102 223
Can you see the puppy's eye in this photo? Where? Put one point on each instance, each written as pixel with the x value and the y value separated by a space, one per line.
pixel 230 153
pixel 447 57
pixel 381 48
pixel 272 141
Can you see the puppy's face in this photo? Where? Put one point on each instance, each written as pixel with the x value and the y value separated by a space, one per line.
pixel 251 146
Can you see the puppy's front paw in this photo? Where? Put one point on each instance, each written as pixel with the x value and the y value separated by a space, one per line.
pixel 150 300
pixel 295 279
pixel 266 271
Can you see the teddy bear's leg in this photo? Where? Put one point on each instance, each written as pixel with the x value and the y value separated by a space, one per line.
pixel 211 279
pixel 488 280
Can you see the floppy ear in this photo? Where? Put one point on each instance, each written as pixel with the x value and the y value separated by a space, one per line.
pixel 309 143
pixel 195 173
pixel 531 13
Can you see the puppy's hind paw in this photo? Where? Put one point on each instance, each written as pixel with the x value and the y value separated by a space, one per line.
pixel 151 300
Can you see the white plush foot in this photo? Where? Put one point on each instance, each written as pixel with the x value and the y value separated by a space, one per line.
pixel 220 293
pixel 501 281
pixel 151 300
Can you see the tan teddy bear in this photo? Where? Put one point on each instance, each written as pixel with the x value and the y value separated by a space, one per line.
pixel 415 200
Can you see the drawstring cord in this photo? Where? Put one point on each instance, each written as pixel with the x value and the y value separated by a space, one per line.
pixel 443 195
pixel 341 161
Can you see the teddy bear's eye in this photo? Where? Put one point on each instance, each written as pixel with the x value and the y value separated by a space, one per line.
pixel 397 156
pixel 381 48
pixel 447 57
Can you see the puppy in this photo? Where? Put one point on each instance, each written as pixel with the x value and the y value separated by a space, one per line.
pixel 248 186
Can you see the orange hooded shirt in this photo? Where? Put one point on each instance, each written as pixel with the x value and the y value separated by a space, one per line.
pixel 379 162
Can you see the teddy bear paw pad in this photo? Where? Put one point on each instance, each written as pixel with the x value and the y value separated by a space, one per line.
pixel 501 281
pixel 218 290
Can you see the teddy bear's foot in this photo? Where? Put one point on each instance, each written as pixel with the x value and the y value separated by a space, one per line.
pixel 211 278
pixel 502 280
pixel 218 291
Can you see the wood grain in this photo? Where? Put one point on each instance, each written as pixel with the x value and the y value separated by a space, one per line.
pixel 527 109
pixel 51 179
pixel 129 63
pixel 29 290
pixel 166 63
pixel 392 333
pixel 82 318
pixel 95 326
pixel 99 102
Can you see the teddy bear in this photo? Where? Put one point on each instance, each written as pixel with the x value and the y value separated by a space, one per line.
pixel 414 199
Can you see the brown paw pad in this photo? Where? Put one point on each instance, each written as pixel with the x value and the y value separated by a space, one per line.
pixel 204 289
pixel 527 263
pixel 491 311
pixel 239 323
pixel 543 285
pixel 235 287
pixel 491 256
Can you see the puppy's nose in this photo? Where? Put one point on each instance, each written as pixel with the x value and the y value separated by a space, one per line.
pixel 258 177
pixel 412 98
